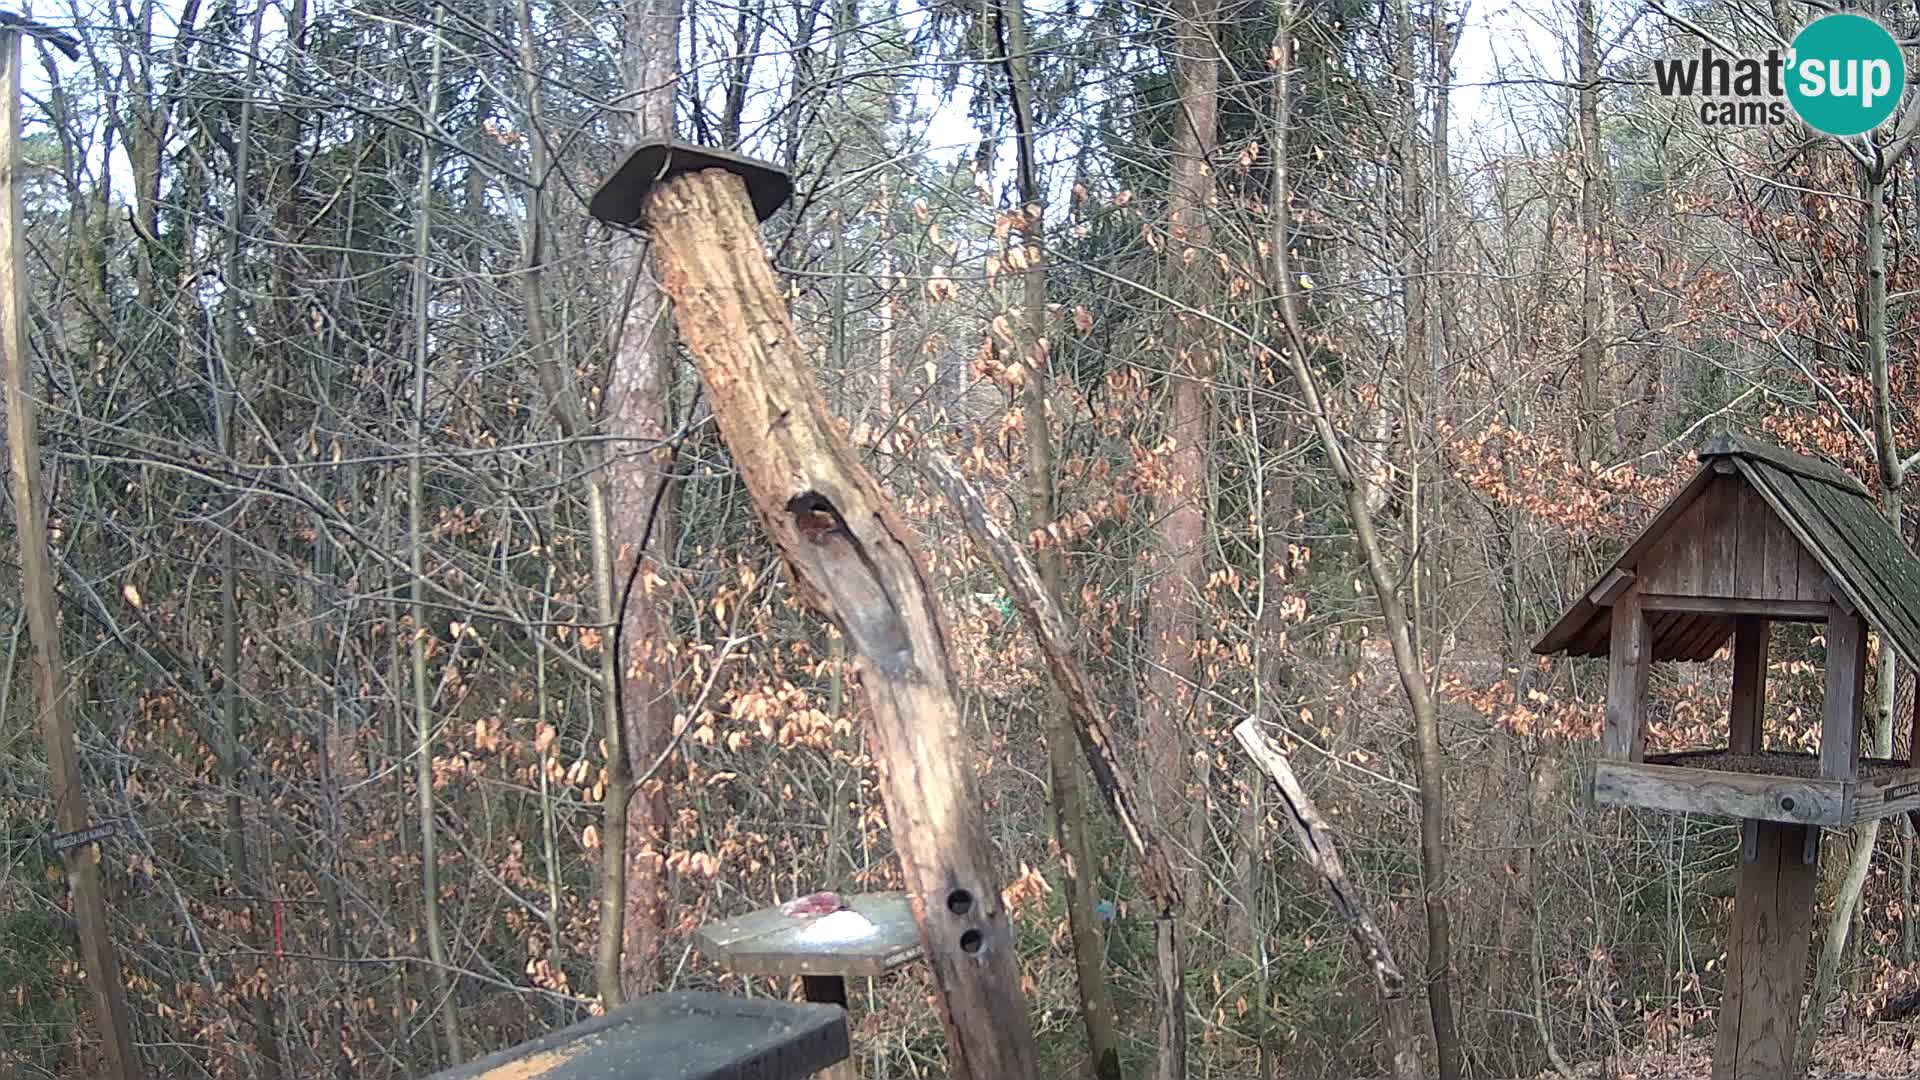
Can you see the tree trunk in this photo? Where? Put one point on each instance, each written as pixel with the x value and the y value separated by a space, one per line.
pixel 1429 761
pixel 855 561
pixel 1063 759
pixel 424 722
pixel 639 413
pixel 1180 532
pixel 69 793
pixel 1592 333
pixel 1880 718
pixel 240 878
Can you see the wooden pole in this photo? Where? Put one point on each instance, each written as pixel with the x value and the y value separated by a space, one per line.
pixel 1746 727
pixel 1767 955
pixel 36 585
pixel 832 990
pixel 855 560
pixel 1628 656
pixel 1846 685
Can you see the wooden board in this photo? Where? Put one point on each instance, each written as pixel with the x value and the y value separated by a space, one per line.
pixel 1730 544
pixel 1628 658
pixel 687 1035
pixel 1781 610
pixel 1722 572
pixel 1766 957
pixel 766 942
pixel 1745 727
pixel 1842 713
pixel 1886 796
pixel 1686 790
pixel 1685 783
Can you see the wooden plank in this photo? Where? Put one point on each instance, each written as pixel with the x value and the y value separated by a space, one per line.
pixel 1719 540
pixel 1785 610
pixel 1661 626
pixel 1701 637
pixel 1629 656
pixel 1573 625
pixel 1783 553
pixel 1887 795
pixel 1655 536
pixel 1815 586
pixel 1609 587
pixel 1674 567
pixel 1745 730
pixel 1846 683
pixel 1805 520
pixel 1594 637
pixel 1719 635
pixel 1685 789
pixel 1766 957
pixel 1753 520
pixel 686 1035
pixel 1579 619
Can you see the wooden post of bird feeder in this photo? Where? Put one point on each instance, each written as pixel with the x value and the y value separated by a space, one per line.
pixel 852 558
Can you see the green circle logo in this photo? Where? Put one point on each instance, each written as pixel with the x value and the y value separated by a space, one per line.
pixel 1845 74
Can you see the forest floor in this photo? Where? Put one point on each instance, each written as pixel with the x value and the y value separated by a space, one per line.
pixel 1874 1052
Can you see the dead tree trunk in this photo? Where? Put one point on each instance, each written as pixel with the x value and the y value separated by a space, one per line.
pixel 1316 843
pixel 857 562
pixel 1031 595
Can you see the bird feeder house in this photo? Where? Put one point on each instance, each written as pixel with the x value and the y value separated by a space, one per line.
pixel 1759 535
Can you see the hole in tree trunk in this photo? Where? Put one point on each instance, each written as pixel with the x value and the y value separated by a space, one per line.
pixel 959 901
pixel 970 942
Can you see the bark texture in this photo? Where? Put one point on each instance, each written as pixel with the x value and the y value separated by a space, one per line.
pixel 639 417
pixel 1063 767
pixel 1180 532
pixel 104 977
pixel 853 559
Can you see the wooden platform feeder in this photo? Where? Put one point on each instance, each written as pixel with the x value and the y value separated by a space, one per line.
pixel 1759 535
pixel 820 949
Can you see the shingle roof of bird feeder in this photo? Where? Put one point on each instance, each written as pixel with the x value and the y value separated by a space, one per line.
pixel 1846 549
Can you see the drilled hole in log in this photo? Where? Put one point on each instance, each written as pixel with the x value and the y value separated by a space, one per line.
pixel 1787 804
pixel 970 942
pixel 959 901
